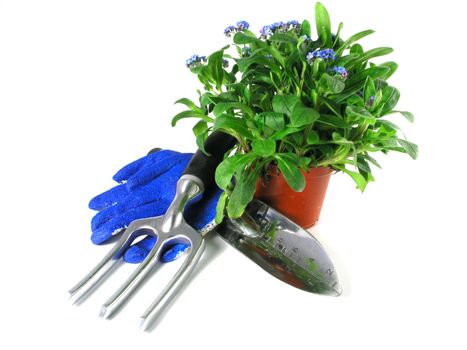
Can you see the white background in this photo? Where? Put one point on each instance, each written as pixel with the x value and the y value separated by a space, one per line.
pixel 87 86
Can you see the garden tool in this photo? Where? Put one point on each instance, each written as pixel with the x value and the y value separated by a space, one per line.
pixel 263 234
pixel 282 248
pixel 168 229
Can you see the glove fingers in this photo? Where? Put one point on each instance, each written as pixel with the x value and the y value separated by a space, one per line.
pixel 148 194
pixel 174 252
pixel 108 198
pixel 153 170
pixel 128 170
pixel 139 251
pixel 124 173
pixel 161 189
pixel 202 213
pixel 116 221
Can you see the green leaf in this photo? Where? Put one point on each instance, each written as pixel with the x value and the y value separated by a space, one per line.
pixel 392 68
pixel 317 68
pixel 273 120
pixel 264 148
pixel 338 34
pixel 200 131
pixel 283 133
pixel 243 192
pixel 312 137
pixel 288 165
pixel 227 168
pixel 283 38
pixel 353 39
pixel 410 148
pixel 377 52
pixel 389 100
pixel 356 49
pixel 215 68
pixel 190 104
pixel 323 24
pixel 388 128
pixel 232 125
pixel 340 140
pixel 373 72
pixel 362 165
pixel 360 113
pixel 305 28
pixel 371 160
pixel 302 115
pixel 284 103
pixel 200 127
pixel 377 100
pixel 334 121
pixel 332 84
pixel 345 60
pixel 222 107
pixel 206 99
pixel 333 106
pixel 369 89
pixel 258 57
pixel 220 208
pixel 355 83
pixel 191 114
pixel 357 177
pixel 241 38
pixel 409 116
pixel 355 100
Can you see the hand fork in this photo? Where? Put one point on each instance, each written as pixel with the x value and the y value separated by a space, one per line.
pixel 168 229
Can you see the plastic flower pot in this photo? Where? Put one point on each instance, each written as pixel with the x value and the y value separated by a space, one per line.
pixel 302 207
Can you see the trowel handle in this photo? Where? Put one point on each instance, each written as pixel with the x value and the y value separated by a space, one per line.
pixel 203 166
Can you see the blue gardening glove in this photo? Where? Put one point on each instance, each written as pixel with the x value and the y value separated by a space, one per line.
pixel 147 187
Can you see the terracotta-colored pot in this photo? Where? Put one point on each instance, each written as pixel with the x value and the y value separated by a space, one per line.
pixel 301 207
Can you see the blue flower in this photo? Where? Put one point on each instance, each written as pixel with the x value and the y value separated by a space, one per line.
pixel 281 26
pixel 340 70
pixel 325 54
pixel 195 60
pixel 225 63
pixel 265 31
pixel 293 23
pixel 229 30
pixel 276 25
pixel 242 25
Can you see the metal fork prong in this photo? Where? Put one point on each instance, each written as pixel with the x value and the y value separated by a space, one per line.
pixel 118 299
pixel 158 306
pixel 102 269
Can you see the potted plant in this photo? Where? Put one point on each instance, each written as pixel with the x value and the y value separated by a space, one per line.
pixel 301 104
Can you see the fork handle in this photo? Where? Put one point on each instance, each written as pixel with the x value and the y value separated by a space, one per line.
pixel 204 166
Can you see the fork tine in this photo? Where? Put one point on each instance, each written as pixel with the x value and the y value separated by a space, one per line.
pixel 102 269
pixel 157 307
pixel 118 299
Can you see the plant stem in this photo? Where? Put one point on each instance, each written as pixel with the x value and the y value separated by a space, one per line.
pixel 302 80
pixel 361 130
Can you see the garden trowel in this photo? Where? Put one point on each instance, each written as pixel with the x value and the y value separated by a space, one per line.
pixel 282 248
